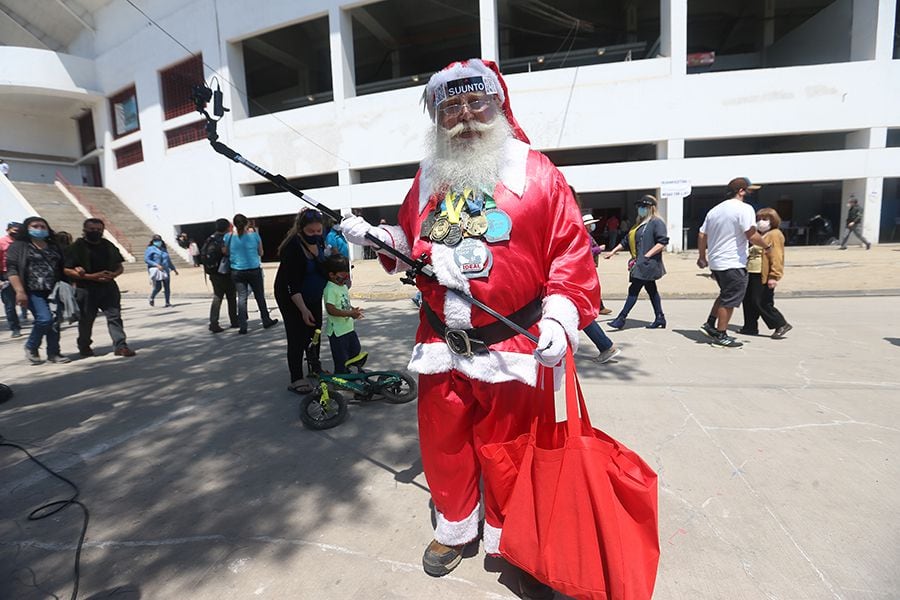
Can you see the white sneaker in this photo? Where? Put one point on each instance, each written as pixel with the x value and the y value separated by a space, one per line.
pixel 607 355
pixel 58 359
pixel 33 356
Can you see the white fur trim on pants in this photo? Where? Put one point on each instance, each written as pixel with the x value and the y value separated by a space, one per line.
pixel 490 539
pixel 454 533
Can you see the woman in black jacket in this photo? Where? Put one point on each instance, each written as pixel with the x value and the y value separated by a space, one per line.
pixel 299 284
pixel 646 241
pixel 34 265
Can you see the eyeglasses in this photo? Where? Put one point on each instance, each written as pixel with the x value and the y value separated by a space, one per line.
pixel 475 106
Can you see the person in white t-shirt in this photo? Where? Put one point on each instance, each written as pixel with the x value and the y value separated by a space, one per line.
pixel 722 244
pixel 4 168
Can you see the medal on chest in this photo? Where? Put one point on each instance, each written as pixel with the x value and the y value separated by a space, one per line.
pixel 473 257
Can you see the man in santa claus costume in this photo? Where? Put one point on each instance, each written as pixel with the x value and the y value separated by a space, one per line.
pixel 497 221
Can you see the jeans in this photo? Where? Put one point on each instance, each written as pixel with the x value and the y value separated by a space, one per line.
pixel 634 289
pixel 157 284
pixel 223 287
pixel 104 297
pixel 244 281
pixel 44 324
pixel 8 294
pixel 855 231
pixel 343 348
pixel 600 339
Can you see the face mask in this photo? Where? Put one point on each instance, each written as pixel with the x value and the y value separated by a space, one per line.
pixel 39 234
pixel 157 243
pixel 763 225
pixel 93 236
pixel 643 211
pixel 592 227
pixel 341 279
pixel 312 239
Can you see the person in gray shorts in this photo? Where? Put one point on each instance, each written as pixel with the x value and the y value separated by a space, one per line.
pixel 722 245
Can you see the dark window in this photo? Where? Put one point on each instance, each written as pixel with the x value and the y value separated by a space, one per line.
pixel 893 138
pixel 602 154
pixel 288 68
pixel 177 82
pixel 124 109
pixel 129 155
pixel 406 171
pixel 537 35
pixel 186 134
pixel 86 133
pixel 400 43
pixel 301 183
pixel 725 35
pixel 776 144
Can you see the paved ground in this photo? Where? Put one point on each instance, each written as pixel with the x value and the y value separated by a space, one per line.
pixel 777 462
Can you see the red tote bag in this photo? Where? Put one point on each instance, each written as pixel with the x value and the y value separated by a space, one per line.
pixel 582 513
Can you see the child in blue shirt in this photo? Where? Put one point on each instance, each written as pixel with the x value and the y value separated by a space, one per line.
pixel 339 326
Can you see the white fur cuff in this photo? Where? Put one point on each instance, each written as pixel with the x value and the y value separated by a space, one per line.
pixel 400 243
pixel 490 539
pixel 561 309
pixel 454 533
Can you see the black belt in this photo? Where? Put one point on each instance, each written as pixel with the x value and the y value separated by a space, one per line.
pixel 476 340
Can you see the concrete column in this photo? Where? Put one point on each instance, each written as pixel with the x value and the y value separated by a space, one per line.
pixel 673 33
pixel 884 34
pixel 863 32
pixel 672 209
pixel 487 11
pixel 343 70
pixel 868 192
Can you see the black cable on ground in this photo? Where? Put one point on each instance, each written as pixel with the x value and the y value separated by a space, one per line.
pixel 44 511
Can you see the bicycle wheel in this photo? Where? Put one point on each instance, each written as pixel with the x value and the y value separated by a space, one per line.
pixel 318 415
pixel 396 388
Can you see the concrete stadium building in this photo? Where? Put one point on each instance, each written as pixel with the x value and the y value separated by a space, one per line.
pixel 670 97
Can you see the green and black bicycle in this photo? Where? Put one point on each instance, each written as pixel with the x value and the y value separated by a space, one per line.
pixel 326 405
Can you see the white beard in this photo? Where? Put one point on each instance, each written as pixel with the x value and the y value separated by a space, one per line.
pixel 459 163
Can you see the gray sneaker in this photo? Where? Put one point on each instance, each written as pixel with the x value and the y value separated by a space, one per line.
pixel 33 356
pixel 726 341
pixel 16 333
pixel 607 355
pixel 58 359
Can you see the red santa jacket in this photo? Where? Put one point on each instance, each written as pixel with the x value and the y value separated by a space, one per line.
pixel 547 256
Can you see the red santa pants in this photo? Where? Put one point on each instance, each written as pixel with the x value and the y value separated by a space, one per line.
pixel 458 415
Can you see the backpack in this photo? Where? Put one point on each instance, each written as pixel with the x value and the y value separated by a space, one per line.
pixel 211 254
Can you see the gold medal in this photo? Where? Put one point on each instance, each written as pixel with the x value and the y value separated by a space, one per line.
pixel 439 230
pixel 477 226
pixel 428 223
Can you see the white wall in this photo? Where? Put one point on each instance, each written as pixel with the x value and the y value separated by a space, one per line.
pixel 39 134
pixel 645 101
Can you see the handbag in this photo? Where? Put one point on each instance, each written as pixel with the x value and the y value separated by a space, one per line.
pixel 582 513
pixel 158 274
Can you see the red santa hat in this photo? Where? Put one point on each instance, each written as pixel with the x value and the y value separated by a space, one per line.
pixel 475 74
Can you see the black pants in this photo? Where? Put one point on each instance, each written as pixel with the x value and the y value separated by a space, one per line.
pixel 759 301
pixel 298 333
pixel 106 298
pixel 223 287
pixel 343 348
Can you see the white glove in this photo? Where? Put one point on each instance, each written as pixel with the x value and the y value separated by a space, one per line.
pixel 552 343
pixel 354 230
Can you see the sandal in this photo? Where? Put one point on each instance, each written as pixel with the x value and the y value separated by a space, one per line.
pixel 300 388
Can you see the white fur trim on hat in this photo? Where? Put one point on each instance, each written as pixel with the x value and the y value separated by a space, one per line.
pixel 436 88
pixel 454 533
pixel 562 310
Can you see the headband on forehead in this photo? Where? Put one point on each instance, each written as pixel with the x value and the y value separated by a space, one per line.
pixel 473 75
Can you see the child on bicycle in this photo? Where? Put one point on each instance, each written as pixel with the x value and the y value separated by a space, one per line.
pixel 339 325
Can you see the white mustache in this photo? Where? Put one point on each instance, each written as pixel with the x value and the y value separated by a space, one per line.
pixel 469 126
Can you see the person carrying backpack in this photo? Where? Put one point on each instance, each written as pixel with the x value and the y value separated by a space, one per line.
pixel 211 256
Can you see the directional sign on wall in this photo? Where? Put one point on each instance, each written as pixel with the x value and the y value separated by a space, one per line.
pixel 675 188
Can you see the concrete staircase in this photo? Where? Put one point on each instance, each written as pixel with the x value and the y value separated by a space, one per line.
pixel 128 229
pixel 52 205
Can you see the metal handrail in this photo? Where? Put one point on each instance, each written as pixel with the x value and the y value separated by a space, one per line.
pixel 97 213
